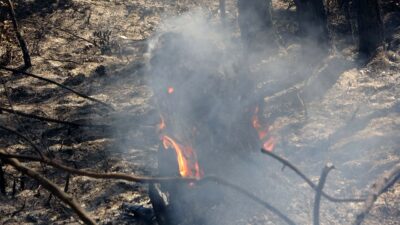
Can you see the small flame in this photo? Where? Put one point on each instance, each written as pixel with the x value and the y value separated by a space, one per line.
pixel 186 157
pixel 170 90
pixel 269 142
pixel 161 126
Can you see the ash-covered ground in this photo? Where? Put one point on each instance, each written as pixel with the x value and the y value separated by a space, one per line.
pixel 100 48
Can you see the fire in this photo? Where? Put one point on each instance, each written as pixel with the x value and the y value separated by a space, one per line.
pixel 185 155
pixel 170 90
pixel 269 142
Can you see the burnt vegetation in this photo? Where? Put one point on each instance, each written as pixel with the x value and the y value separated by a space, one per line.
pixel 154 112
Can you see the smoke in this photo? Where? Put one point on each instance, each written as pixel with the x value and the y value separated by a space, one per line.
pixel 206 86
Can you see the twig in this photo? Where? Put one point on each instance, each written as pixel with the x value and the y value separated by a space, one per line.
pixel 48 119
pixel 308 180
pixel 77 36
pixel 249 195
pixel 381 186
pixel 21 41
pixel 52 188
pixel 317 199
pixel 58 84
pixel 114 176
pixel 36 148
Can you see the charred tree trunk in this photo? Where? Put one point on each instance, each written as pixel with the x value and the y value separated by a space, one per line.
pixel 254 19
pixel 370 26
pixel 2 180
pixel 313 20
pixel 21 41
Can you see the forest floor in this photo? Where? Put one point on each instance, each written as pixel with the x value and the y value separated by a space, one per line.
pixel 99 48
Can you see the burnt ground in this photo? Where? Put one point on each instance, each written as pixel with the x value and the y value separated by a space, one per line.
pixel 99 48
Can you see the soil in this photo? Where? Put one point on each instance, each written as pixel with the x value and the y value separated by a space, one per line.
pixel 99 47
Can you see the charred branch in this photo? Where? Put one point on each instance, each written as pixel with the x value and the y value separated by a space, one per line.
pixel 46 119
pixel 111 176
pixel 286 163
pixel 318 192
pixel 58 84
pixel 21 41
pixel 52 188
pixel 382 185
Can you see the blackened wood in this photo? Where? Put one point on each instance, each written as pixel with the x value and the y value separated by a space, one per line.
pixel 318 192
pixel 370 26
pixel 21 40
pixel 313 20
pixel 2 180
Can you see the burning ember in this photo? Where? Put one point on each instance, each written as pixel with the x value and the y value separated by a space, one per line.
pixel 185 155
pixel 268 142
pixel 171 90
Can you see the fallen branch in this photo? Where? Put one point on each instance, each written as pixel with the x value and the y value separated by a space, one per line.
pixel 21 41
pixel 58 84
pixel 381 186
pixel 52 188
pixel 112 176
pixel 318 193
pixel 308 180
pixel 48 119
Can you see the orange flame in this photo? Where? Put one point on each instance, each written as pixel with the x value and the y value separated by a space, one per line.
pixel 170 90
pixel 269 142
pixel 161 126
pixel 186 157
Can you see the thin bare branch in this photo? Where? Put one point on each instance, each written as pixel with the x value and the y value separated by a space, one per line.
pixel 318 193
pixel 382 185
pixel 112 176
pixel 49 119
pixel 58 84
pixel 21 41
pixel 308 180
pixel 52 188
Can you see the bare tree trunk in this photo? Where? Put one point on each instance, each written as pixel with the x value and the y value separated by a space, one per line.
pixel 21 41
pixel 254 19
pixel 313 20
pixel 2 180
pixel 370 26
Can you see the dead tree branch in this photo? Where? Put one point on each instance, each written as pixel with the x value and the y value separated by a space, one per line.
pixel 21 41
pixel 58 84
pixel 308 180
pixel 32 116
pixel 52 188
pixel 112 176
pixel 318 192
pixel 381 186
